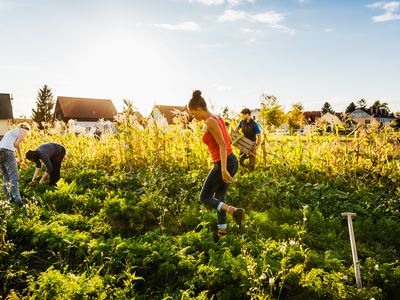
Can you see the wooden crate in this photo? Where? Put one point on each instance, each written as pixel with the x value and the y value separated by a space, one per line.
pixel 242 143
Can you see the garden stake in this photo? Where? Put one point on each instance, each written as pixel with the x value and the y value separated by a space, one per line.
pixel 356 263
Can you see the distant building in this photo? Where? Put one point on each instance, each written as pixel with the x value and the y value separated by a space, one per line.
pixel 164 115
pixel 360 116
pixel 86 113
pixel 312 116
pixel 255 114
pixel 6 113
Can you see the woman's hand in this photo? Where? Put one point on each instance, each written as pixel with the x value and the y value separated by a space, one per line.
pixel 21 163
pixel 226 176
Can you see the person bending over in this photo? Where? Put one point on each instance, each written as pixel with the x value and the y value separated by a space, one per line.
pixel 51 154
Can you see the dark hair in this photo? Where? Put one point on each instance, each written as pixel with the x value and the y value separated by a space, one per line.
pixel 197 101
pixel 246 111
pixel 32 155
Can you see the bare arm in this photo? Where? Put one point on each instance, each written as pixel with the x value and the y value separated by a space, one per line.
pixel 259 140
pixel 44 177
pixel 213 128
pixel 35 175
pixel 17 143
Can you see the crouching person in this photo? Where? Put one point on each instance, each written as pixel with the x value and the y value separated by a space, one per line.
pixel 51 154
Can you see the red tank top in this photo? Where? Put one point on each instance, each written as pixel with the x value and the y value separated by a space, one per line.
pixel 211 143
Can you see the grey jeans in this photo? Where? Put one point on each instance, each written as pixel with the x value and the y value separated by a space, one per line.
pixel 9 168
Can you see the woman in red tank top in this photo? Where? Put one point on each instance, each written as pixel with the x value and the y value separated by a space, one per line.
pixel 216 184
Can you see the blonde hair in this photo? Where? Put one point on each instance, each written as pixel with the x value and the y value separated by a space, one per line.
pixel 25 126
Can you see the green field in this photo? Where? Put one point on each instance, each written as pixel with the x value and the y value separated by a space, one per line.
pixel 125 222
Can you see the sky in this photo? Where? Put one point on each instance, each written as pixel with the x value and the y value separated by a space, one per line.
pixel 234 51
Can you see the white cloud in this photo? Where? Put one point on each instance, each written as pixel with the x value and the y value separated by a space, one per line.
pixel 386 17
pixel 250 30
pixel 208 2
pixel 376 5
pixel 270 18
pixel 220 2
pixel 392 6
pixel 210 46
pixel 238 2
pixel 328 30
pixel 184 26
pixel 390 9
pixel 231 15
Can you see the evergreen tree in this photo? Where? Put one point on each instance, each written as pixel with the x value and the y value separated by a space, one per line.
pixel 327 108
pixel 44 107
pixel 352 107
pixel 362 103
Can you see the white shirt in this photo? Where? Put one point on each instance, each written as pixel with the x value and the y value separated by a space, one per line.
pixel 9 139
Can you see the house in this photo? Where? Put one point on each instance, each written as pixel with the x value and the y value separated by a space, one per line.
pixel 331 122
pixel 86 113
pixel 165 115
pixel 312 116
pixel 360 116
pixel 255 114
pixel 6 113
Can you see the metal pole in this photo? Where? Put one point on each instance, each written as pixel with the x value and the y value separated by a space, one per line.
pixel 356 263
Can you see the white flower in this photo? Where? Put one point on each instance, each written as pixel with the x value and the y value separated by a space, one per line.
pixel 376 267
pixel 263 276
pixel 271 280
pixel 292 243
pixel 345 277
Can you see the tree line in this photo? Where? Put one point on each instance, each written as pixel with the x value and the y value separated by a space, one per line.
pixel 272 112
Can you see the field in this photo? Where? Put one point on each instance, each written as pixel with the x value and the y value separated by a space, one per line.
pixel 125 222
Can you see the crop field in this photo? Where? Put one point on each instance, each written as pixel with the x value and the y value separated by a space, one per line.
pixel 125 220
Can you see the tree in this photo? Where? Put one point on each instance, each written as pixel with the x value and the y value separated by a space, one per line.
pixel 296 117
pixel 327 108
pixel 352 107
pixel 271 113
pixel 362 103
pixel 226 113
pixel 44 107
pixel 379 108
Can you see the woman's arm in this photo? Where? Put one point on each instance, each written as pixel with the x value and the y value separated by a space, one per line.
pixel 17 143
pixel 213 128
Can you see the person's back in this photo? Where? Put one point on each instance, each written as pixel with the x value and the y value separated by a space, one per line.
pixel 8 141
pixel 52 154
pixel 50 149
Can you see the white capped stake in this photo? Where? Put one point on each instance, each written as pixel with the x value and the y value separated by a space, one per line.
pixel 356 263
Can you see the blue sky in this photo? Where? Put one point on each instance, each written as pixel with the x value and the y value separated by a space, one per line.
pixel 307 51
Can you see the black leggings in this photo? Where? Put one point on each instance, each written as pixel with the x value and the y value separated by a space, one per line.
pixel 56 162
pixel 215 188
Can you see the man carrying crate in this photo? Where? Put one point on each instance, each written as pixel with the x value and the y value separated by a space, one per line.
pixel 251 131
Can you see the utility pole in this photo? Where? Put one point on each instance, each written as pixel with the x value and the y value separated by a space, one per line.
pixel 356 263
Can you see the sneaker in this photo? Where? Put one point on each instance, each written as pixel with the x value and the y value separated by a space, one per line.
pixel 238 216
